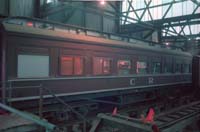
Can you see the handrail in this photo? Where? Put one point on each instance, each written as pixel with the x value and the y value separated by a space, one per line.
pixel 9 89
pixel 71 108
pixel 41 88
pixel 48 126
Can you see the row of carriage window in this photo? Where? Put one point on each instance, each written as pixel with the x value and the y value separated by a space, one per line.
pixel 38 66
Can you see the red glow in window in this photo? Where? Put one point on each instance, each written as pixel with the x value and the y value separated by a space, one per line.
pixel 78 65
pixel 101 65
pixel 71 65
pixel 30 24
pixel 66 65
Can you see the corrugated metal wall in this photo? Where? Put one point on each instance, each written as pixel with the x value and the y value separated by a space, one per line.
pixel 17 7
pixel 93 21
pixel 84 16
pixel 3 6
pixel 80 14
pixel 22 8
pixel 109 25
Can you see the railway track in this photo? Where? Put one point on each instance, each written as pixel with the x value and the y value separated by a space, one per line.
pixel 171 121
pixel 168 121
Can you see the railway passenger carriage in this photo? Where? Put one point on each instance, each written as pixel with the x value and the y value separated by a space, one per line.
pixel 196 73
pixel 72 64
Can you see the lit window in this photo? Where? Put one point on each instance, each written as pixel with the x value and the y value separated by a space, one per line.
pixel 71 65
pixel 106 66
pixel 30 66
pixel 141 67
pixel 124 67
pixel 66 65
pixel 78 65
pixel 101 66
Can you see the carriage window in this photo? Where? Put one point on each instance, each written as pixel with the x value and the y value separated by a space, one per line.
pixel 141 67
pixel 66 65
pixel 78 65
pixel 29 66
pixel 190 68
pixel 186 68
pixel 71 65
pixel 168 67
pixel 101 66
pixel 178 68
pixel 124 67
pixel 156 67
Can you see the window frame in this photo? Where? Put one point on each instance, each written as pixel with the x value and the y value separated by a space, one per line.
pixel 73 65
pixel 183 68
pixel 34 51
pixel 146 69
pixel 168 61
pixel 130 66
pixel 142 58
pixel 152 66
pixel 179 63
pixel 102 73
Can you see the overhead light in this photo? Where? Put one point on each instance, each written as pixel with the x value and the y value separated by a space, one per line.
pixel 167 43
pixel 102 2
pixel 189 38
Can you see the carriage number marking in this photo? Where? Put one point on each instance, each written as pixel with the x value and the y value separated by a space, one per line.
pixel 132 81
pixel 151 80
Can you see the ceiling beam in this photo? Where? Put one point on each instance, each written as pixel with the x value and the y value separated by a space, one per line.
pixel 188 36
pixel 147 7
pixel 182 24
pixel 196 2
pixel 159 5
pixel 169 7
pixel 135 27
